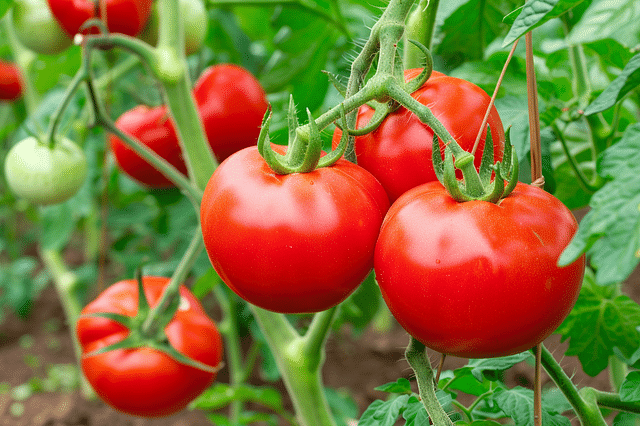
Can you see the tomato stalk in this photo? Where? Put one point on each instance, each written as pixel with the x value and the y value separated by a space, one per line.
pixel 416 355
pixel 612 401
pixel 299 359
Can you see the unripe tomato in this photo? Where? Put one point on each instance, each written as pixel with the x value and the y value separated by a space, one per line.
pixel 398 152
pixel 143 381
pixel 10 82
pixel 231 103
pixel 123 16
pixel 153 128
pixel 44 175
pixel 37 29
pixel 477 279
pixel 196 25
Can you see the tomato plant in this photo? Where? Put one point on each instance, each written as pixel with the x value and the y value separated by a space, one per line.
pixel 144 381
pixel 398 152
pixel 477 279
pixel 196 25
pixel 10 82
pixel 37 29
pixel 308 252
pixel 153 128
pixel 123 16
pixel 45 175
pixel 231 103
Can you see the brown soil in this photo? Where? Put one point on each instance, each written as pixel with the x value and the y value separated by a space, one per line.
pixel 355 365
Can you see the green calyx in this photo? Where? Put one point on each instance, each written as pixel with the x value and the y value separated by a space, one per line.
pixel 476 184
pixel 153 337
pixel 304 152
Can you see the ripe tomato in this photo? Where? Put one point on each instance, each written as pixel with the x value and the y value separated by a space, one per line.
pixel 292 243
pixel 123 16
pixel 196 22
pixel 144 381
pixel 398 152
pixel 477 279
pixel 10 82
pixel 37 29
pixel 153 128
pixel 42 175
pixel 231 103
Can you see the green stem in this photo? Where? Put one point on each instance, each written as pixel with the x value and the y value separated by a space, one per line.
pixel 116 72
pixel 79 78
pixel 305 5
pixel 229 326
pixel 586 410
pixel 420 27
pixel 588 186
pixel 463 409
pixel 300 368
pixel 316 336
pixel 613 401
pixel 66 284
pixel 581 83
pixel 179 275
pixel 416 355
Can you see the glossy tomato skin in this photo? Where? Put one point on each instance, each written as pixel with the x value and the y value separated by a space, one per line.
pixel 291 243
pixel 123 16
pixel 143 381
pixel 476 279
pixel 10 82
pixel 37 29
pixel 231 103
pixel 153 128
pixel 398 152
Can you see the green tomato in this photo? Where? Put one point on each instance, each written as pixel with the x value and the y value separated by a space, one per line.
pixel 44 175
pixel 37 29
pixel 194 15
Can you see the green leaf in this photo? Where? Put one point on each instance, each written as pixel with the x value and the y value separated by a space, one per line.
pixel 205 284
pixel 535 13
pixel 630 389
pixel 4 6
pixel 477 423
pixel 383 413
pixel 342 405
pixel 361 306
pixel 415 414
pixel 626 419
pixel 610 232
pixel 479 366
pixel 628 80
pixel 464 381
pixel 617 19
pixel 57 224
pixel 600 320
pixel 401 385
pixel 517 403
pixel 221 394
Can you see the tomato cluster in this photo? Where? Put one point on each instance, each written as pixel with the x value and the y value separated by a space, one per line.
pixel 231 104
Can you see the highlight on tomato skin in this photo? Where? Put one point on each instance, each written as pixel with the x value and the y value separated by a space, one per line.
pixel 398 152
pixel 476 279
pixel 294 243
pixel 144 381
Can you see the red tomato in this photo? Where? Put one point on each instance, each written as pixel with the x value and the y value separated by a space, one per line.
pixel 477 279
pixel 144 381
pixel 231 104
pixel 398 152
pixel 153 128
pixel 291 243
pixel 123 16
pixel 10 82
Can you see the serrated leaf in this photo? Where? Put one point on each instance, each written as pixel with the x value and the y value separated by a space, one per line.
pixel 502 363
pixel 600 321
pixel 535 13
pixel 517 403
pixel 383 413
pixel 628 80
pixel 466 382
pixel 610 232
pixel 630 389
pixel 617 19
pixel 415 413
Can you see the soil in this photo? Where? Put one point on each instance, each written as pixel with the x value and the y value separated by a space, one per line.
pixel 356 365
